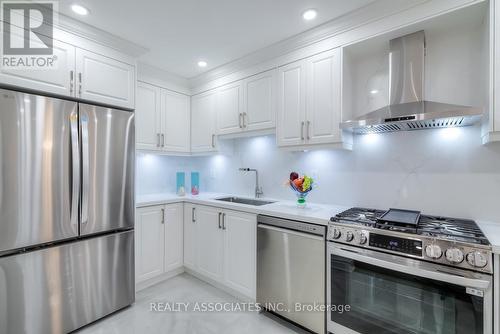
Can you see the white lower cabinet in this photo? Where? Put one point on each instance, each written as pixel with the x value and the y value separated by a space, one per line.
pixel 174 218
pixel 210 242
pixel 221 245
pixel 190 236
pixel 158 240
pixel 149 243
pixel 240 240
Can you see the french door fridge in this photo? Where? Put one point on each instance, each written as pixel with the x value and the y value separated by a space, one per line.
pixel 66 213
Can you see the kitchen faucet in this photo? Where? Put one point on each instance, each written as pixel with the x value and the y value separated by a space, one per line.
pixel 258 189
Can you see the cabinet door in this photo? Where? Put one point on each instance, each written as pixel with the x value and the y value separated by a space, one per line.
pixel 105 80
pixel 149 242
pixel 190 237
pixel 147 117
pixel 174 216
pixel 229 102
pixel 57 80
pixel 210 241
pixel 203 116
pixel 175 121
pixel 240 247
pixel 323 111
pixel 291 104
pixel 259 112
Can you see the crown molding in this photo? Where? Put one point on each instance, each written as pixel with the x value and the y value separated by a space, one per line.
pixel 374 19
pixel 99 36
pixel 373 11
pixel 161 78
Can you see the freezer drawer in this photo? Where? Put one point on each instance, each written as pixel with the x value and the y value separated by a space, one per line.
pixel 59 289
pixel 108 152
pixel 38 183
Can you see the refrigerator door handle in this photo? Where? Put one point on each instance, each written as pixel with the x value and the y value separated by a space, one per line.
pixel 75 155
pixel 85 168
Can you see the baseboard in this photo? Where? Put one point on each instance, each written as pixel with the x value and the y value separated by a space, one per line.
pixel 158 279
pixel 218 285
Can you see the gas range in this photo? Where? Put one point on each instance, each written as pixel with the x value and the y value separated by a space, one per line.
pixel 448 241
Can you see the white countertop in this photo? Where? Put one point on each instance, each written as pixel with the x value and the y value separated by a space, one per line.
pixel 492 231
pixel 313 213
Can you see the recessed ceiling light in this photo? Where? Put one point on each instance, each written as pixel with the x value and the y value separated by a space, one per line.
pixel 202 63
pixel 309 14
pixel 80 10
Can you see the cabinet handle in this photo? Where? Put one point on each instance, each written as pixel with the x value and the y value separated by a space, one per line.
pixel 307 129
pixel 163 216
pixel 80 84
pixel 302 130
pixel 71 81
pixel 213 141
pixel 193 219
pixel 244 119
pixel 239 120
pixel 220 213
pixel 223 221
pixel 162 140
pixel 157 140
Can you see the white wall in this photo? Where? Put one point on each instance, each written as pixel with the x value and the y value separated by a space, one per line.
pixel 444 172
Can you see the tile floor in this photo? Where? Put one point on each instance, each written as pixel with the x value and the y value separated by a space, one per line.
pixel 139 318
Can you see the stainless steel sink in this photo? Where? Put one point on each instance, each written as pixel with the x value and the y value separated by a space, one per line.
pixel 247 201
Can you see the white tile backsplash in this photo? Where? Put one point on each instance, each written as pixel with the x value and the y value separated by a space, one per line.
pixel 443 171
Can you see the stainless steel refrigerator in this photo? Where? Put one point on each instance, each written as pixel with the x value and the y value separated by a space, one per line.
pixel 66 213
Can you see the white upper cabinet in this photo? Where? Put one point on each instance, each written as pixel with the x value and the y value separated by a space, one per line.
pixel 309 101
pixel 162 119
pixel 291 104
pixel 323 105
pixel 229 104
pixel 246 105
pixel 105 80
pixel 259 109
pixel 174 222
pixel 203 118
pixel 58 80
pixel 175 122
pixel 148 117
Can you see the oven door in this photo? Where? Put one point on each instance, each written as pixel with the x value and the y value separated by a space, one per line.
pixel 374 292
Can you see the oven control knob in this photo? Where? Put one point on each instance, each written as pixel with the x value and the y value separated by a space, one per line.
pixel 336 233
pixel 454 255
pixel 433 251
pixel 362 238
pixel 477 259
pixel 349 236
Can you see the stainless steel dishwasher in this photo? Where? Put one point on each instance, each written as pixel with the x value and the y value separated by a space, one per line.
pixel 291 270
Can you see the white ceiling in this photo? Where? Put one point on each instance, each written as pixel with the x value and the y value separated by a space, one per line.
pixel 180 32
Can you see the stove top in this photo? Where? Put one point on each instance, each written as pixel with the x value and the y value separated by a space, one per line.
pixel 453 229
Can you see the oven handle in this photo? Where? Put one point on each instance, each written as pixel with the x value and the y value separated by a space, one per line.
pixel 409 266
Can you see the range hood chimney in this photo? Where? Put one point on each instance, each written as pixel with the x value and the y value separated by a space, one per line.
pixel 408 110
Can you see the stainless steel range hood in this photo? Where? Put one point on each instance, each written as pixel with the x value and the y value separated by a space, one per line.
pixel 407 109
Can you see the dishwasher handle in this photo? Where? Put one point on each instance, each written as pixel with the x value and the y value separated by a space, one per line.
pixel 285 230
